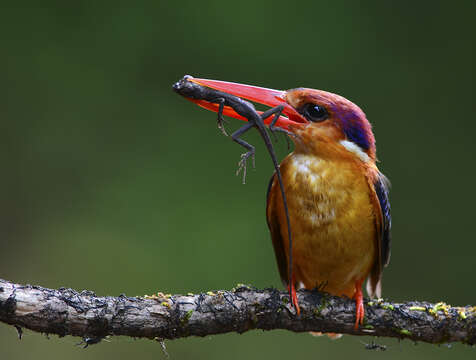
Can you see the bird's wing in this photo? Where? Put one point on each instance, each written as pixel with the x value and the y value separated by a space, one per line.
pixel 382 188
pixel 381 185
pixel 273 225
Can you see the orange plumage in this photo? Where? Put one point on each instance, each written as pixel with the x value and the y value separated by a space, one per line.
pixel 337 199
pixel 336 215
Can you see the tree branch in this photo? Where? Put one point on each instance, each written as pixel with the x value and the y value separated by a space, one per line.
pixel 67 312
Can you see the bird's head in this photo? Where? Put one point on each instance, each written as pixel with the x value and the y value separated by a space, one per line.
pixel 314 117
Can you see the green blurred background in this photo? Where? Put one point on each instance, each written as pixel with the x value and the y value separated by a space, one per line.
pixel 112 182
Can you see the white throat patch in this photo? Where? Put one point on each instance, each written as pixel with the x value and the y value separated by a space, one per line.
pixel 354 148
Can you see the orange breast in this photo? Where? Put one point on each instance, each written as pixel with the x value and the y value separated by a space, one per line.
pixel 332 222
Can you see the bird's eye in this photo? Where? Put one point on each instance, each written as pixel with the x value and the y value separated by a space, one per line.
pixel 314 112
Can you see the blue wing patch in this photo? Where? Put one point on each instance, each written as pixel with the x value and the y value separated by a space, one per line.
pixel 382 186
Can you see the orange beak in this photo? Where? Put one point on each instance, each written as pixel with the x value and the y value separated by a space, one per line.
pixel 268 97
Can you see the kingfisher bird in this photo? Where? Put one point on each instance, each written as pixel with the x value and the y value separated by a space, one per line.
pixel 338 200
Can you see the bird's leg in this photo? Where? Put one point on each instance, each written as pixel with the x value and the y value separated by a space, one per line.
pixel 220 118
pixel 359 304
pixel 251 149
pixel 293 295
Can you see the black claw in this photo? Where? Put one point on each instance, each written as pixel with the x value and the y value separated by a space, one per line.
pixel 19 331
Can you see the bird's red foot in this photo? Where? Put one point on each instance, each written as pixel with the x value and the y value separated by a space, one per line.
pixel 359 304
pixel 293 298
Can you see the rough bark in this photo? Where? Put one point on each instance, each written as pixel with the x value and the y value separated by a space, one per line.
pixel 68 312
